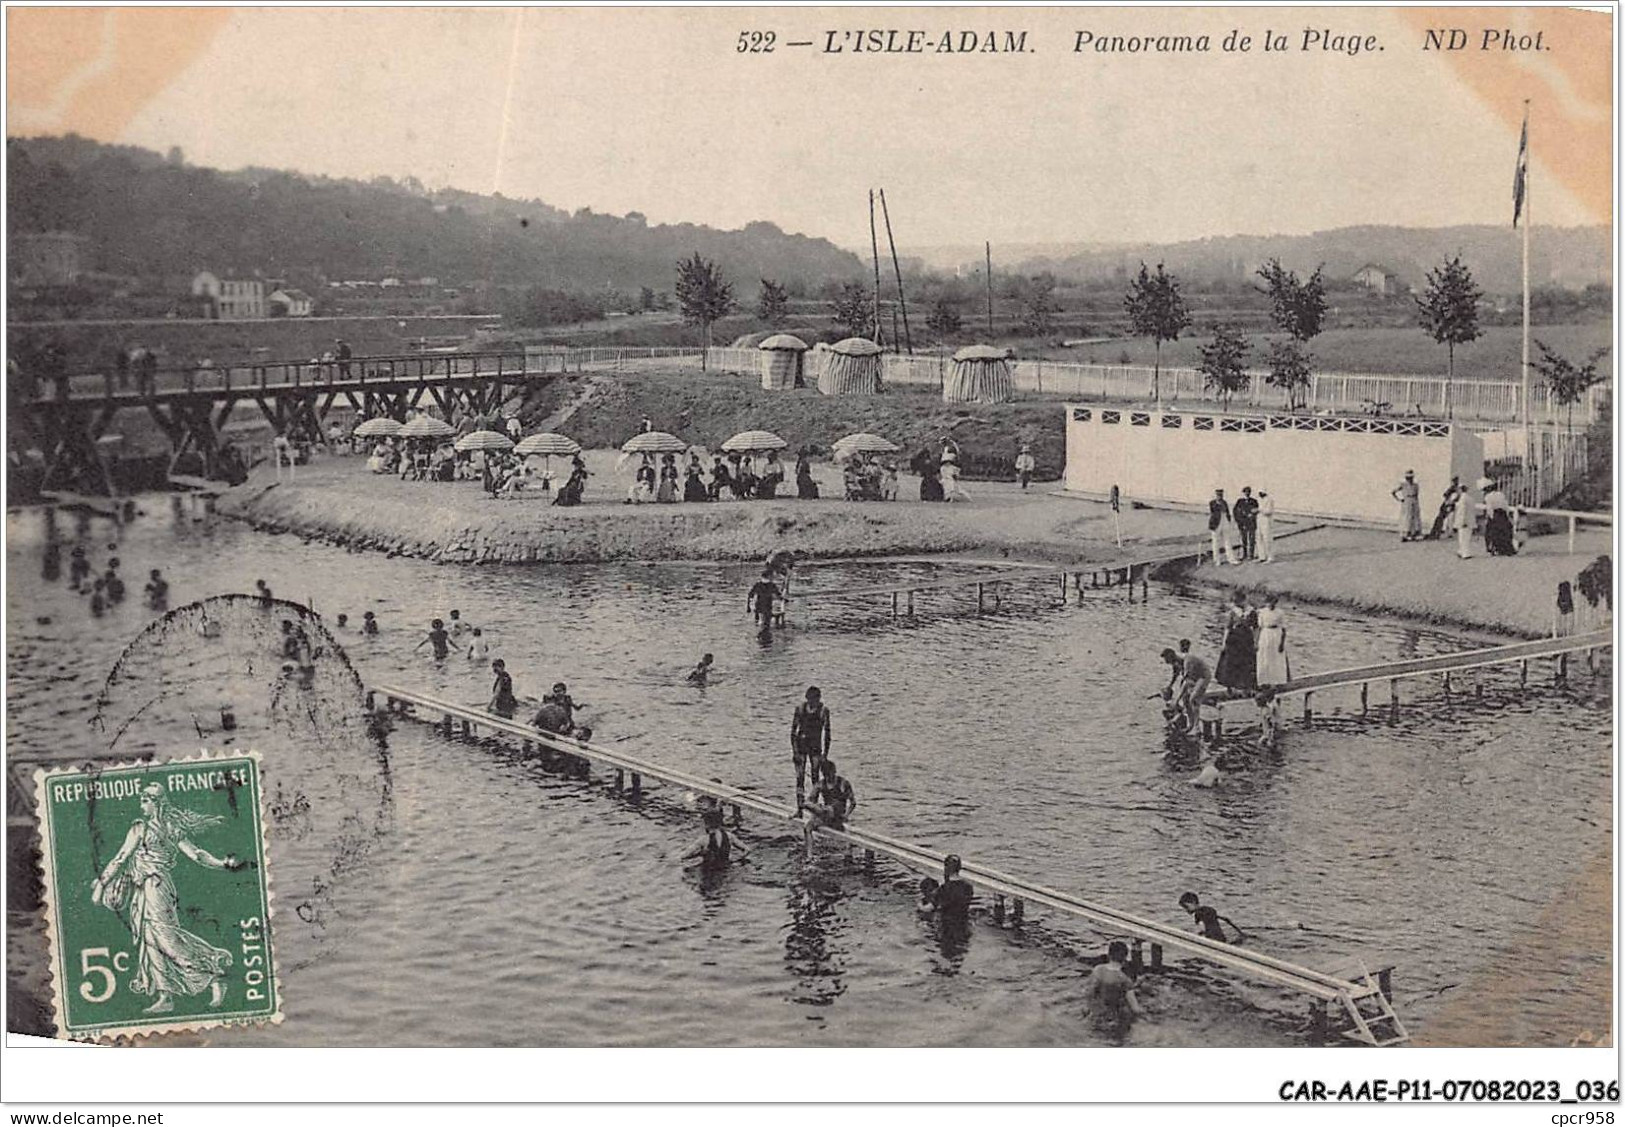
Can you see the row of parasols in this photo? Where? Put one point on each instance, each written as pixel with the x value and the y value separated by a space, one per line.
pixel 649 442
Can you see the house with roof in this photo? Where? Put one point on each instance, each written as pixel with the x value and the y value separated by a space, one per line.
pixel 1378 279
pixel 286 301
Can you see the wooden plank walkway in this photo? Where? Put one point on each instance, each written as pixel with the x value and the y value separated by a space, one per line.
pixel 1362 676
pixel 1321 986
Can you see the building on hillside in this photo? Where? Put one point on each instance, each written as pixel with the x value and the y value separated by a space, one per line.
pixel 286 301
pixel 1311 465
pixel 48 258
pixel 231 298
pixel 1378 279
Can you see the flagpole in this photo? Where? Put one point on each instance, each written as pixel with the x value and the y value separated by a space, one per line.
pixel 1528 436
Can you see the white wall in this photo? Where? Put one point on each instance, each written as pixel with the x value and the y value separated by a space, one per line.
pixel 1347 472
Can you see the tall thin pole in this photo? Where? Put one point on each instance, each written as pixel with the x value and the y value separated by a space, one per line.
pixel 908 337
pixel 874 245
pixel 1530 457
pixel 990 289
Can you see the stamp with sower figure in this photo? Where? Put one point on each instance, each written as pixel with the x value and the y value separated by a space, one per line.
pixel 157 896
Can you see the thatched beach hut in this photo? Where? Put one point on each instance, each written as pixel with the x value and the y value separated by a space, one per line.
pixel 851 367
pixel 979 374
pixel 781 362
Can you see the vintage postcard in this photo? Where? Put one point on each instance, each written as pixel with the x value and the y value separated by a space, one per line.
pixel 157 896
pixel 815 527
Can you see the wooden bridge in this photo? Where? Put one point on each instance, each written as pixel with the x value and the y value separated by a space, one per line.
pixel 1363 999
pixel 1447 665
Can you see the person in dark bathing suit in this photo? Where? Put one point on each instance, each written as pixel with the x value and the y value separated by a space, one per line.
pixel 1109 993
pixel 1209 924
pixel 763 594
pixel 834 800
pixel 809 740
pixel 157 591
pixel 437 637
pixel 698 675
pixel 955 894
pixel 503 702
pixel 717 850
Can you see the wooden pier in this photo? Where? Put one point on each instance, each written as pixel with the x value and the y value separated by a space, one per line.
pixel 1362 998
pixel 1363 677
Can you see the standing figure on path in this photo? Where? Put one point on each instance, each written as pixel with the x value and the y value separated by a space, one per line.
pixel 1463 519
pixel 949 466
pixel 1025 465
pixel 344 355
pixel 806 487
pixel 1237 667
pixel 1274 667
pixel 1266 527
pixel 1499 539
pixel 1245 511
pixel 138 886
pixel 668 480
pixel 1219 528
pixel 1409 497
pixel 1447 508
pixel 763 594
pixel 809 740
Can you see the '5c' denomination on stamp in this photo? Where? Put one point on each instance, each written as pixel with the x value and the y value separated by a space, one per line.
pixel 157 896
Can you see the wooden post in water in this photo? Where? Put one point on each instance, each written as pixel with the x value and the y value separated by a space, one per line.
pixel 1365 696
pixel 998 909
pixel 1563 669
pixel 979 593
pixel 1018 908
pixel 1136 958
pixel 1156 956
pixel 1308 710
pixel 911 603
pixel 637 784
pixel 894 604
pixel 1393 700
pixel 620 780
pixel 372 704
pixel 1523 674
pixel 1447 686
pixel 1317 1022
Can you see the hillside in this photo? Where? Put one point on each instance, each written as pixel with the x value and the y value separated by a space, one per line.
pixel 1572 257
pixel 153 216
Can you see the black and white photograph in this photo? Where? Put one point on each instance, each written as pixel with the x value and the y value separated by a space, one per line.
pixel 814 528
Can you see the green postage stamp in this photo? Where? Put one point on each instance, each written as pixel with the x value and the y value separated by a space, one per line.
pixel 157 896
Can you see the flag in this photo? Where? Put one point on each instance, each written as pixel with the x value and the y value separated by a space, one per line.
pixel 1519 177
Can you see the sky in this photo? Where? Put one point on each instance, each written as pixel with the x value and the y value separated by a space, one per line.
pixel 657 111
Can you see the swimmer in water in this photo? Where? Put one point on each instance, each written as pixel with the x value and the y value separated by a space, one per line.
pixel 478 648
pixel 1209 924
pixel 78 568
pixel 560 698
pixel 369 623
pixel 98 598
pixel 114 585
pixel 716 850
pixel 834 799
pixel 1108 994
pixel 700 672
pixel 157 591
pixel 761 598
pixel 458 626
pixel 927 904
pixel 262 590
pixel 503 702
pixel 343 622
pixel 955 894
pixel 438 638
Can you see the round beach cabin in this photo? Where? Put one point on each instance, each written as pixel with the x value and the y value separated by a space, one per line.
pixel 782 362
pixel 851 367
pixel 979 374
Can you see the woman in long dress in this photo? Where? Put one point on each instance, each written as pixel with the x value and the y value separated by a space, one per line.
pixel 1266 527
pixel 1237 665
pixel 138 887
pixel 1498 532
pixel 1274 666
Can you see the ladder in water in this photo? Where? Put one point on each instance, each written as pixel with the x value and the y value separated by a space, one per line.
pixel 1372 1019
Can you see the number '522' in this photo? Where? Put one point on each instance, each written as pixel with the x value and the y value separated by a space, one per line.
pixel 755 42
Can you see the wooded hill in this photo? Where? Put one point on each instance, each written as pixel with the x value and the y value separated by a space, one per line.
pixel 149 215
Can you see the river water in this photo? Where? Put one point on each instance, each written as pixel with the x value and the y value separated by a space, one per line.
pixel 433 891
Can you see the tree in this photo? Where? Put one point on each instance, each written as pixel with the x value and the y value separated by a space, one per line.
pixel 1298 309
pixel 1289 371
pixel 1157 310
pixel 1448 310
pixel 1038 308
pixel 944 318
pixel 1567 382
pixel 647 299
pixel 772 304
pixel 703 294
pixel 1222 363
pixel 853 309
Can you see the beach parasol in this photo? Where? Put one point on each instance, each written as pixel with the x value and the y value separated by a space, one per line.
pixel 864 443
pixel 426 426
pixel 748 441
pixel 654 442
pixel 548 444
pixel 380 427
pixel 484 440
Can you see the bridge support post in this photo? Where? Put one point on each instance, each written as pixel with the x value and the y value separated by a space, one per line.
pixel 998 909
pixel 894 604
pixel 372 703
pixel 1523 674
pixel 1156 956
pixel 1136 959
pixel 1393 700
pixel 1385 982
pixel 620 780
pixel 445 725
pixel 1562 669
pixel 1365 696
pixel 467 728
pixel 869 860
pixel 1018 909
pixel 1308 710
pixel 637 784
pixel 911 604
pixel 1447 686
pixel 979 598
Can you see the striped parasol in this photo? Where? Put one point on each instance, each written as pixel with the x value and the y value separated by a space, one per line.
pixel 426 426
pixel 547 443
pixel 654 442
pixel 864 443
pixel 747 441
pixel 375 428
pixel 485 440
